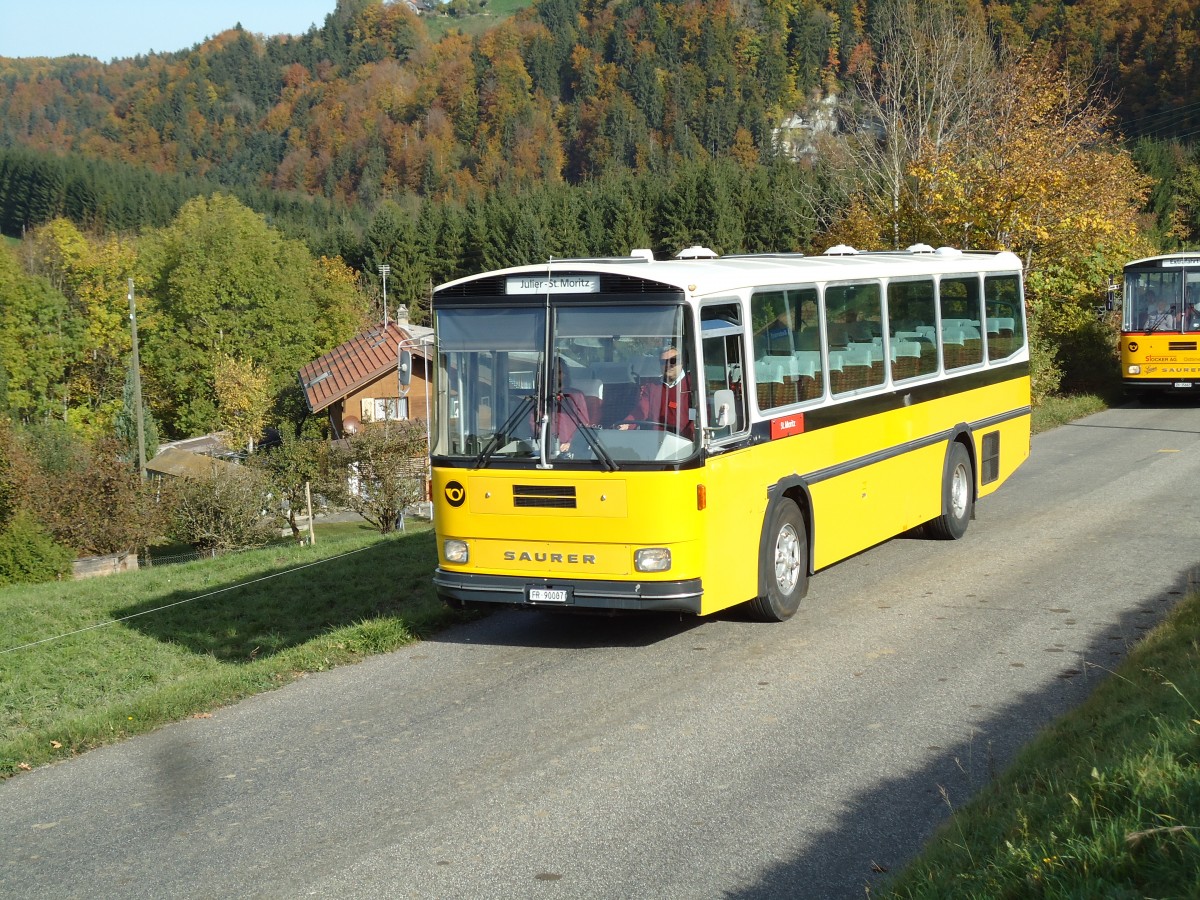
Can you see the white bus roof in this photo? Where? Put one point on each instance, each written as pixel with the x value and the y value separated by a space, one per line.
pixel 708 276
pixel 1165 259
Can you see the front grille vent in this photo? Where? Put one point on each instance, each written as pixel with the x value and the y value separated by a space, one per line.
pixel 544 496
pixel 1182 345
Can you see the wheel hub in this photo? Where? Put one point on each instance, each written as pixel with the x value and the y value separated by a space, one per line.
pixel 787 559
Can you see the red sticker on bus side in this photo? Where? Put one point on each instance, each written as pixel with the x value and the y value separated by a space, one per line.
pixel 785 425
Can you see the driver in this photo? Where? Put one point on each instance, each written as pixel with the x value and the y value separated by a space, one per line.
pixel 664 402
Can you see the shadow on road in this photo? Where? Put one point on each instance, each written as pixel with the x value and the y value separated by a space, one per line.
pixel 569 630
pixel 879 827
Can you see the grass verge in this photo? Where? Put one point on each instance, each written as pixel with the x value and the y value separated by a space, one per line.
pixel 1105 803
pixel 1055 411
pixel 196 636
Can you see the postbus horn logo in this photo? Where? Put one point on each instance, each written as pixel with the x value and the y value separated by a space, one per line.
pixel 455 494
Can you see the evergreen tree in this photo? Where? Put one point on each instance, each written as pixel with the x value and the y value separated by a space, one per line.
pixel 125 426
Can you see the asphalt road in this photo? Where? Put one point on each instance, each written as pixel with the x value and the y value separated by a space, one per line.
pixel 533 756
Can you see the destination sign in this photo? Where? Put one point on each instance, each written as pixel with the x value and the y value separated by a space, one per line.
pixel 555 284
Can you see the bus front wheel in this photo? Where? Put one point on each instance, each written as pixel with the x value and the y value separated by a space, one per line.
pixel 784 565
pixel 958 496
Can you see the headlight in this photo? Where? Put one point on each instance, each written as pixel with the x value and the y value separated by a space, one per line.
pixel 455 551
pixel 652 559
pixel 1135 370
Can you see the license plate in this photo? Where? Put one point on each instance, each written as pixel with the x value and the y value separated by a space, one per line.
pixel 1186 384
pixel 547 595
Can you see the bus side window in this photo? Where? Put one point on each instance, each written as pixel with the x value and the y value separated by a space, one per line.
pixel 1005 331
pixel 786 372
pixel 961 338
pixel 856 331
pixel 910 327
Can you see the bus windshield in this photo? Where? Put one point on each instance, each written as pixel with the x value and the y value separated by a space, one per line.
pixel 1162 299
pixel 589 386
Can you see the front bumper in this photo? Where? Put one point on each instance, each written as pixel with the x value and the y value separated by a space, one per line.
pixel 658 596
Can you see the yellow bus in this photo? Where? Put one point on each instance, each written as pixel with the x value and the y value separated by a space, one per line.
pixel 1160 325
pixel 700 432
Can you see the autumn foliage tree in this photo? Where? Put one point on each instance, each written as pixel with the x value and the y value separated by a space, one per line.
pixel 92 273
pixel 223 284
pixel 243 400
pixel 1029 161
pixel 40 339
pixel 922 91
pixel 85 494
pixel 1055 185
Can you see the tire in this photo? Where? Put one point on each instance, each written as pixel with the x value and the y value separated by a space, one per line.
pixel 958 496
pixel 783 565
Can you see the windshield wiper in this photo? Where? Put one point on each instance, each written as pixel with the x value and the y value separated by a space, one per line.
pixel 1153 326
pixel 567 402
pixel 485 455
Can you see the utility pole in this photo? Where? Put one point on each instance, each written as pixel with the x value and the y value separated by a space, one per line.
pixel 312 535
pixel 137 387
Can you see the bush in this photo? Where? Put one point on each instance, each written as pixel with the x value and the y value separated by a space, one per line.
pixel 28 554
pixel 1092 362
pixel 1045 373
pixel 84 493
pixel 221 510
pixel 379 472
pixel 8 490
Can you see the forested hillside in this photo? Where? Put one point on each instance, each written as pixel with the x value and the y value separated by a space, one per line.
pixel 370 106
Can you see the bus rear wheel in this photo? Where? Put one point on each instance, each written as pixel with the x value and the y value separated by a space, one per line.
pixel 958 496
pixel 784 565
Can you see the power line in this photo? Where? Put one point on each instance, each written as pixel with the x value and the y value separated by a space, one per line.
pixel 146 612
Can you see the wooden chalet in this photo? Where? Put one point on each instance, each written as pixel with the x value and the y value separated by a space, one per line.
pixel 358 382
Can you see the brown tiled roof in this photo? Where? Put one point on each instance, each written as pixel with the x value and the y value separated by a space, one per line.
pixel 359 361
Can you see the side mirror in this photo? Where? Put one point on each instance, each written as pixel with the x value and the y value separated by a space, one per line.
pixel 724 410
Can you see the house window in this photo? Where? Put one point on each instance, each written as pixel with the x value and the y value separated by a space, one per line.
pixel 384 409
pixel 390 409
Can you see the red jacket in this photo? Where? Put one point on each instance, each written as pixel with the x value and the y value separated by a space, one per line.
pixel 665 404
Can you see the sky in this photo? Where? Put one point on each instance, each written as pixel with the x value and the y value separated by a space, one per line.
pixel 123 28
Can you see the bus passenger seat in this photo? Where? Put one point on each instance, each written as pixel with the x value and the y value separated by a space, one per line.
pixel 619 399
pixel 592 389
pixel 838 337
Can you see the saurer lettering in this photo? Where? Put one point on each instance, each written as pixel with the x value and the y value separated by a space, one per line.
pixel 573 559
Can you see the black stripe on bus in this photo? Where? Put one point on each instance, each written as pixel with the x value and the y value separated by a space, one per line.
pixel 908 446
